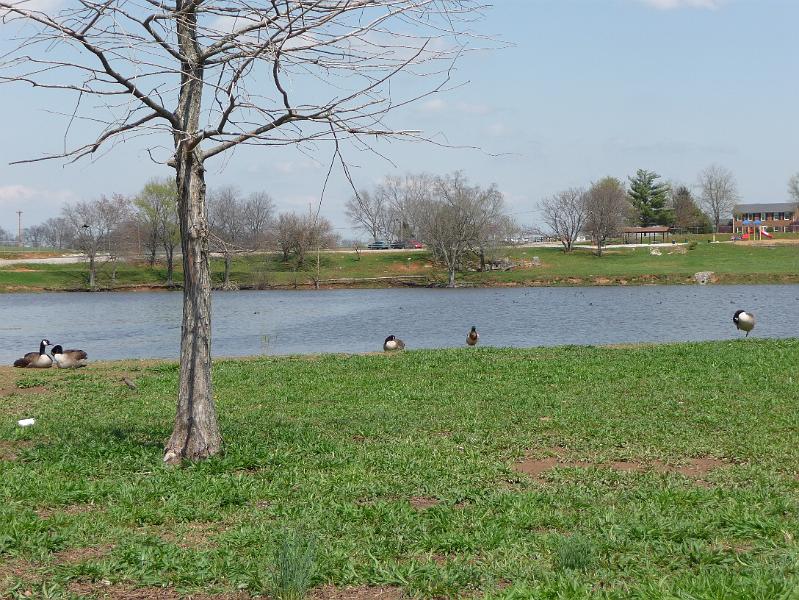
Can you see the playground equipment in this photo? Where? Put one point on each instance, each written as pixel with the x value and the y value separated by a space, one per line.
pixel 764 232
pixel 752 230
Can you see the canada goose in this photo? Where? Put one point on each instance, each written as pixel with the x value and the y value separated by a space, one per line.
pixel 473 337
pixel 36 360
pixel 393 343
pixel 69 359
pixel 744 321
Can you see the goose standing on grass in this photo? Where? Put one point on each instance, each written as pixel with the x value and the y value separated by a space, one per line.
pixel 473 337
pixel 393 343
pixel 36 360
pixel 69 359
pixel 744 321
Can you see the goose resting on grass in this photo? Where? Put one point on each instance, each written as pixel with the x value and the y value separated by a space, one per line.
pixel 69 359
pixel 36 360
pixel 744 321
pixel 393 343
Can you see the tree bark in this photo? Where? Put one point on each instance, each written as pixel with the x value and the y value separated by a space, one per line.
pixel 196 433
pixel 451 283
pixel 226 282
pixel 170 266
pixel 92 273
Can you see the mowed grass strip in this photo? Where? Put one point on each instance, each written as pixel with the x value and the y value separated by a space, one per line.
pixel 732 263
pixel 671 473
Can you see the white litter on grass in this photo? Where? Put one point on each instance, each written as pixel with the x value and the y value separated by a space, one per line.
pixel 26 422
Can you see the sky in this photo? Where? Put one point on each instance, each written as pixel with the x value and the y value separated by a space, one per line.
pixel 575 90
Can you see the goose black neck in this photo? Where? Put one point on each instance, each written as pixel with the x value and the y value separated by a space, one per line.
pixel 41 347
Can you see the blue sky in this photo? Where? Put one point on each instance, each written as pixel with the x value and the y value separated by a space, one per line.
pixel 588 88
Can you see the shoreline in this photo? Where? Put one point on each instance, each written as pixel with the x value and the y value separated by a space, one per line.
pixel 399 283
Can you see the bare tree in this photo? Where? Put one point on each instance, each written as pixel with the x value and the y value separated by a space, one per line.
pixel 194 71
pixel 369 212
pixel 225 211
pixel 257 216
pixel 565 214
pixel 456 218
pixel 607 209
pixel 285 228
pixel 793 187
pixel 719 193
pixel 158 211
pixel 35 235
pixel 4 235
pixel 93 227
pixel 57 232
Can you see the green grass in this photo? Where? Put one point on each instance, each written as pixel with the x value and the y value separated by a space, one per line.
pixel 733 263
pixel 341 447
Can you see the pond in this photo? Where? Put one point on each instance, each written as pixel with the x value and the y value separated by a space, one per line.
pixel 147 324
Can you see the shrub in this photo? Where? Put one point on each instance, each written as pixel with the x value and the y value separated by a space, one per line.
pixel 294 566
pixel 576 553
pixel 692 244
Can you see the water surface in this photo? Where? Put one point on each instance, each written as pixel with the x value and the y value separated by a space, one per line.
pixel 147 324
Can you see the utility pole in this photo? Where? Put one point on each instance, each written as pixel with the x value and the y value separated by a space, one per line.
pixel 19 228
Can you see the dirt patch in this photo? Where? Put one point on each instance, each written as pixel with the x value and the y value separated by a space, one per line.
pixel 423 503
pixel 694 468
pixel 602 281
pixel 103 589
pixel 535 467
pixel 625 466
pixel 36 389
pixel 363 592
pixel 193 535
pixel 9 450
pixel 79 555
pixel 68 510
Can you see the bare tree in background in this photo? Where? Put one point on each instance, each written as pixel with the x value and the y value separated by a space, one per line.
pixel 369 212
pixel 157 204
pixel 57 233
pixel 456 218
pixel 793 187
pixel 94 224
pixel 285 228
pixel 719 193
pixel 607 209
pixel 257 215
pixel 4 235
pixel 35 235
pixel 193 71
pixel 225 211
pixel 403 195
pixel 565 214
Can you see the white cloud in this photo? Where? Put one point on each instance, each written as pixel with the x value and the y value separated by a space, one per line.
pixel 672 4
pixel 433 105
pixel 36 204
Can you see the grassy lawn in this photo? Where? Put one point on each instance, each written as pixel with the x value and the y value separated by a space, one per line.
pixel 651 472
pixel 732 263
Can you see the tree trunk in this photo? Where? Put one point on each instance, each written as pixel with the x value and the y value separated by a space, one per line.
pixel 226 282
pixel 170 266
pixel 196 432
pixel 92 273
pixel 482 259
pixel 451 283
pixel 599 247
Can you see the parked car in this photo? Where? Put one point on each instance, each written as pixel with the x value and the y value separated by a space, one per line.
pixel 413 244
pixel 397 245
pixel 379 245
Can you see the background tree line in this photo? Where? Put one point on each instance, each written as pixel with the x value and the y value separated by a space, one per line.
pixel 459 222
pixel 601 211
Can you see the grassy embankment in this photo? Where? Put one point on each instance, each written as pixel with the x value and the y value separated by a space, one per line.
pixel 732 263
pixel 651 472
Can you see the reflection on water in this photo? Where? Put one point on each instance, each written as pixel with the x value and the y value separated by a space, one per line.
pixel 147 324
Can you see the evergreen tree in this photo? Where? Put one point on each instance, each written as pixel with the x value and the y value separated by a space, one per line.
pixel 649 198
